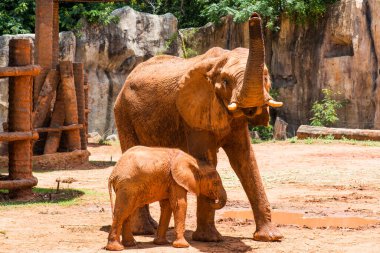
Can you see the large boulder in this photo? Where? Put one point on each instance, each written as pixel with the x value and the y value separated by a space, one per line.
pixel 111 52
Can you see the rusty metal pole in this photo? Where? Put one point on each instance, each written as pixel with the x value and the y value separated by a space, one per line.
pixel 79 88
pixel 20 117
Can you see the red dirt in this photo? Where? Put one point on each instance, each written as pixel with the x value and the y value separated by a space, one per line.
pixel 317 180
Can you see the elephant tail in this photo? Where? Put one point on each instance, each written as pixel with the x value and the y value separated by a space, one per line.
pixel 110 193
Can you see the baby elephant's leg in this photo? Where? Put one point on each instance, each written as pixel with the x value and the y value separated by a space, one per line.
pixel 166 213
pixel 128 240
pixel 178 202
pixel 123 209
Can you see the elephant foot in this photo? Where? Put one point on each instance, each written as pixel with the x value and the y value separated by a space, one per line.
pixel 207 233
pixel 129 243
pixel 114 246
pixel 267 233
pixel 160 241
pixel 181 243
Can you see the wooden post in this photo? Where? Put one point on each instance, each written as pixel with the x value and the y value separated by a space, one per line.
pixel 45 97
pixel 46 40
pixel 280 129
pixel 20 117
pixel 79 88
pixel 86 106
pixel 71 107
pixel 57 120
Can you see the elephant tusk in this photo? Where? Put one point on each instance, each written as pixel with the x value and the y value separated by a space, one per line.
pixel 275 104
pixel 232 107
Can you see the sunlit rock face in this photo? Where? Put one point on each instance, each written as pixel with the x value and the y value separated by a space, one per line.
pixel 340 53
pixel 111 52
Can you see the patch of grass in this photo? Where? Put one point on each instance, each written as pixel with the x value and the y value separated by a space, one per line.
pixel 44 196
pixel 329 139
pixel 3 232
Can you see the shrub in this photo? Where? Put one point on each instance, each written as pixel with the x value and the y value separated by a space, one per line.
pixel 324 111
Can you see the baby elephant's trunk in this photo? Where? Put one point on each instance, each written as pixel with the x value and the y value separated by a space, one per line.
pixel 221 200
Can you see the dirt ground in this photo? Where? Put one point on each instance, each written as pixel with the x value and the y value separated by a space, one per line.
pixel 316 180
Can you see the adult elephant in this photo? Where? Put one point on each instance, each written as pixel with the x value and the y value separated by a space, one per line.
pixel 199 105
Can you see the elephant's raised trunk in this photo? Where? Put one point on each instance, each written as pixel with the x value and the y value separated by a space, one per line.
pixel 251 93
pixel 221 200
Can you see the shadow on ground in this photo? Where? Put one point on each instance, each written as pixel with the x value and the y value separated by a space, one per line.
pixel 229 244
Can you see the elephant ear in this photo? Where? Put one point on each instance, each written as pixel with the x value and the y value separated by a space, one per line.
pixel 186 174
pixel 197 101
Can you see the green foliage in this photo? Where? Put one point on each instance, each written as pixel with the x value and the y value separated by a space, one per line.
pixel 94 13
pixel 17 16
pixel 265 133
pixel 302 11
pixel 324 111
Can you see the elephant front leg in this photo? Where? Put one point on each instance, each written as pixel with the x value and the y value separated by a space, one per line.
pixel 166 213
pixel 240 153
pixel 206 230
pixel 178 202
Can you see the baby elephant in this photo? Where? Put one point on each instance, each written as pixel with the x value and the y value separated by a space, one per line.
pixel 144 175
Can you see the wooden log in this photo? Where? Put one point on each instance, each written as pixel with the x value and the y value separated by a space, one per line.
pixel 20 116
pixel 305 131
pixel 30 70
pixel 71 107
pixel 57 120
pixel 45 97
pixel 86 111
pixel 44 42
pixel 18 184
pixel 18 136
pixel 59 129
pixel 279 132
pixel 79 88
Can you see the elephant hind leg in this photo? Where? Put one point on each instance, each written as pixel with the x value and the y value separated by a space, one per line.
pixel 125 129
pixel 120 214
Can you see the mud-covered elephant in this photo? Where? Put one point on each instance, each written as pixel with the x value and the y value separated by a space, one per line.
pixel 199 105
pixel 144 175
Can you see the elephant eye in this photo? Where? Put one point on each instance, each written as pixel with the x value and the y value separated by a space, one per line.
pixel 215 183
pixel 225 82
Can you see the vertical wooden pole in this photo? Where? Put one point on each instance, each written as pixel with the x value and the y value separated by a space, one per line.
pixel 20 116
pixel 79 88
pixel 46 41
pixel 57 120
pixel 86 106
pixel 71 107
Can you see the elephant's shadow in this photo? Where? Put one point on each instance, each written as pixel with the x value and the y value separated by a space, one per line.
pixel 230 244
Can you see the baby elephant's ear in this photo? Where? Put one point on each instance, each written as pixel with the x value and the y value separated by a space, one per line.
pixel 186 174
